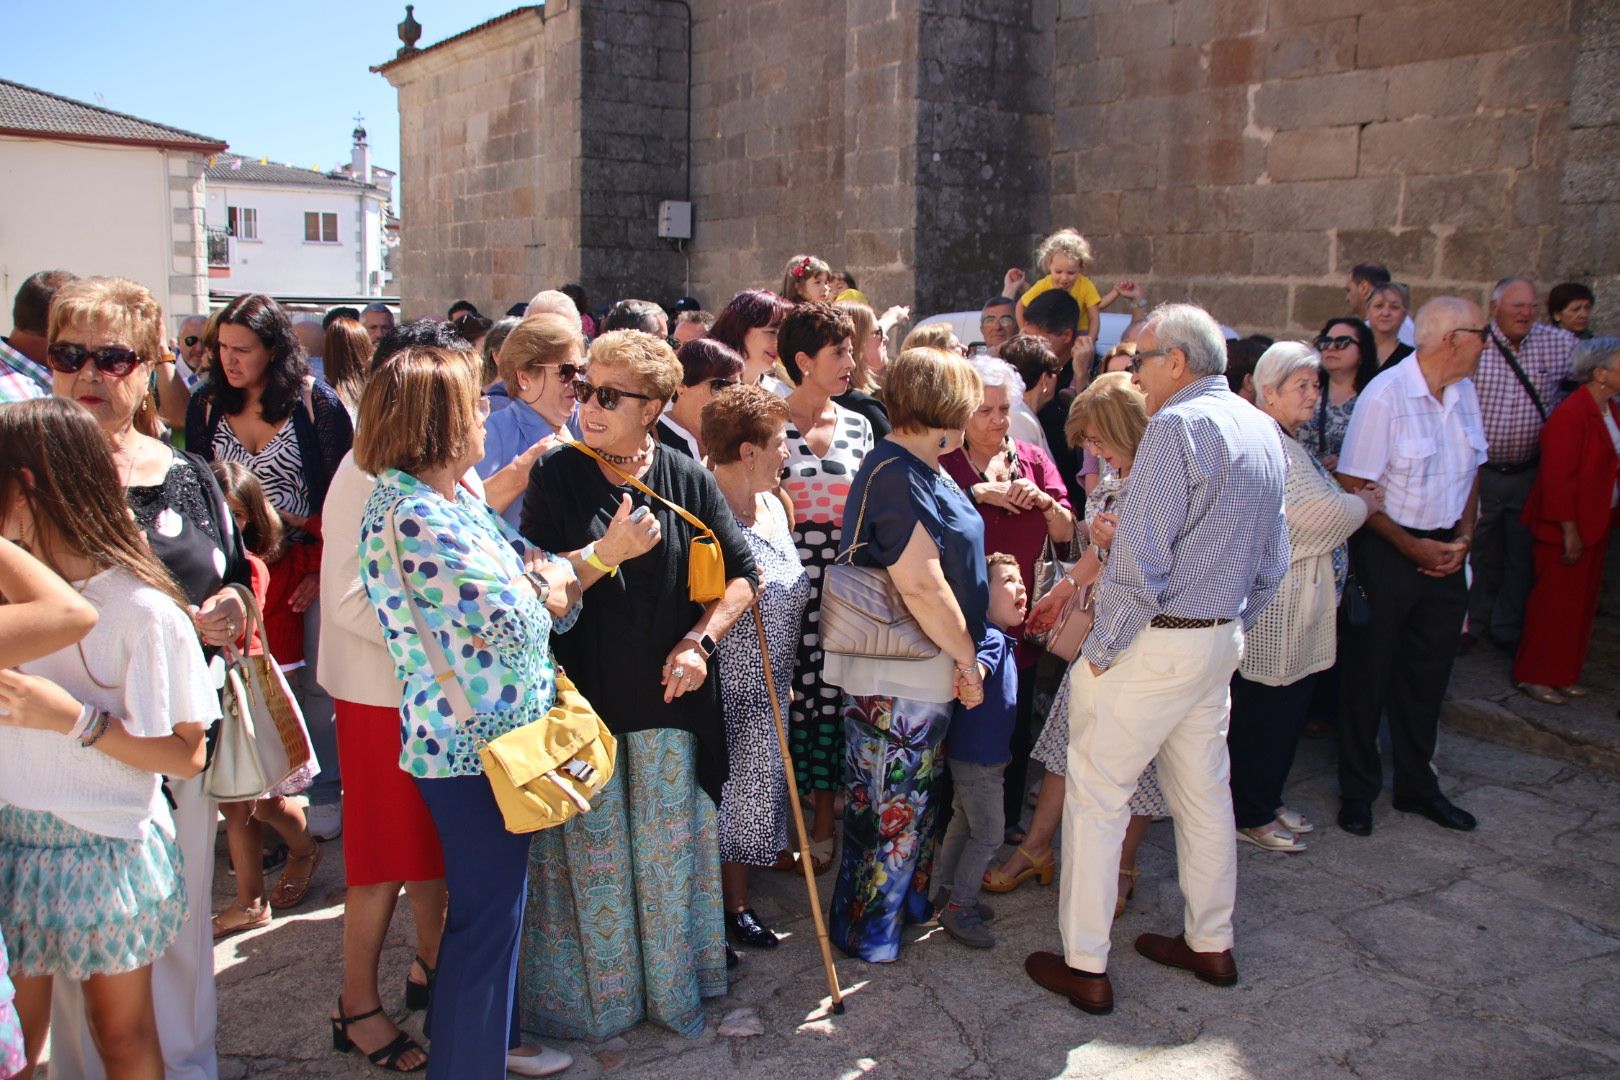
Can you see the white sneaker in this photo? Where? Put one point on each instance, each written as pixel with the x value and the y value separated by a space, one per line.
pixel 544 1062
pixel 325 821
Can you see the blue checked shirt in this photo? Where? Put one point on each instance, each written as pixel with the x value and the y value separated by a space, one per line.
pixel 20 378
pixel 1201 531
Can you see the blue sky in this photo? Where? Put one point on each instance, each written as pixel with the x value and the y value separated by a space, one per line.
pixel 276 78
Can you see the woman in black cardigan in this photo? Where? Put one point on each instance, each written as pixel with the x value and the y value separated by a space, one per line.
pixel 625 920
pixel 262 409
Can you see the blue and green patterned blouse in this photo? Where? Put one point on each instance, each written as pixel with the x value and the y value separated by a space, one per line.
pixel 464 566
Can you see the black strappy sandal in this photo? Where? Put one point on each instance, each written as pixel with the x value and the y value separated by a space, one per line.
pixel 386 1058
pixel 418 995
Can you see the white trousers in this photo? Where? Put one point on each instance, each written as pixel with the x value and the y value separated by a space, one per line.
pixel 182 978
pixel 1166 697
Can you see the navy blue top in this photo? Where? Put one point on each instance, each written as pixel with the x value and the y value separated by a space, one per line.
pixel 982 735
pixel 905 494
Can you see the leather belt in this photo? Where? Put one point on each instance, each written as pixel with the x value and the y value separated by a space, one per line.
pixel 1177 622
pixel 1514 470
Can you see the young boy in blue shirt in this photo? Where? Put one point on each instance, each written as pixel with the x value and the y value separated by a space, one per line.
pixel 978 748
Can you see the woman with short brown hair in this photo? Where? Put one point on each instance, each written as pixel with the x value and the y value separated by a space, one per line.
pixel 906 515
pixel 438 561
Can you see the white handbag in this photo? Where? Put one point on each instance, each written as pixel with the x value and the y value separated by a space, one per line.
pixel 262 737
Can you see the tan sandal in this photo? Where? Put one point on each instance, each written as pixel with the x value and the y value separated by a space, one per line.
pixel 292 888
pixel 997 880
pixel 242 920
pixel 1544 694
pixel 1125 897
pixel 821 855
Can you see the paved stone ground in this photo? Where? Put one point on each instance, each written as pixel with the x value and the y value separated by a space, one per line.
pixel 1416 952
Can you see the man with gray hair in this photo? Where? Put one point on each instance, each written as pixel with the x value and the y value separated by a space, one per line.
pixel 552 302
pixel 1416 433
pixel 1200 549
pixel 643 315
pixel 378 319
pixel 1519 383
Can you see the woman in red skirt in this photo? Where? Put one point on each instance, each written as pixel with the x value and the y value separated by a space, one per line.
pixel 1570 511
pixel 388 837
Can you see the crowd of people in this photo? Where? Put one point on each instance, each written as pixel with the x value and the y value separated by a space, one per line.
pixel 1144 569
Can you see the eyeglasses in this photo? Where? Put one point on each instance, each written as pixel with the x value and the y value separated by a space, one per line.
pixel 606 396
pixel 114 360
pixel 717 385
pixel 1343 341
pixel 1136 364
pixel 1092 443
pixel 190 340
pixel 1484 332
pixel 1006 322
pixel 483 406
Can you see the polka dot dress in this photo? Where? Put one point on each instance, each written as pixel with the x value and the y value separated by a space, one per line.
pixel 818 487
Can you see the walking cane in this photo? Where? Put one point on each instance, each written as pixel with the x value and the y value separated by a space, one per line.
pixel 798 819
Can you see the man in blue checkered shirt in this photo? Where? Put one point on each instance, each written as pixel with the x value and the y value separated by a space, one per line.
pixel 1201 548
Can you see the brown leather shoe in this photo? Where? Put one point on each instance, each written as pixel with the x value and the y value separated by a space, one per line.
pixel 1215 968
pixel 1094 994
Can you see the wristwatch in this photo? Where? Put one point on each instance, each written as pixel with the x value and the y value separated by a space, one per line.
pixel 541 585
pixel 704 642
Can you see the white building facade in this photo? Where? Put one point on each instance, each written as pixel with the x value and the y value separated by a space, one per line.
pixel 292 232
pixel 97 192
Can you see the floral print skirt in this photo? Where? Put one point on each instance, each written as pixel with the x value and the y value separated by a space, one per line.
pixel 624 921
pixel 893 766
pixel 75 904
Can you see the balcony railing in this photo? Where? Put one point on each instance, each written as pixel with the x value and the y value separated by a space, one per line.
pixel 219 247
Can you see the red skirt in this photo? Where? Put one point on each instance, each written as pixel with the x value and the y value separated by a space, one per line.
pixel 388 834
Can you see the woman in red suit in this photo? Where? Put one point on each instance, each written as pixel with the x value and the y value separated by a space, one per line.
pixel 1569 512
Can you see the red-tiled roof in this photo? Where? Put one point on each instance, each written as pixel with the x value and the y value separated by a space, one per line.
pixel 514 13
pixel 26 111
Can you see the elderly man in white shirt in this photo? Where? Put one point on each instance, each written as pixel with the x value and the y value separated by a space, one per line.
pixel 1416 433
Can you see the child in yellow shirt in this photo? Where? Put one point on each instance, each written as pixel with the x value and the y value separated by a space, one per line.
pixel 1063 256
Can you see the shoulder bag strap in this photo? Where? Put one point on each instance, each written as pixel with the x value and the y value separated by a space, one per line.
pixel 848 554
pixel 1524 380
pixel 689 517
pixel 443 674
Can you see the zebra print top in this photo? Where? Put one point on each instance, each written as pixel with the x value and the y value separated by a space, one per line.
pixel 279 467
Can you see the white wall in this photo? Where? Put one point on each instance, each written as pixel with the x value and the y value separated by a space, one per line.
pixel 281 261
pixel 90 208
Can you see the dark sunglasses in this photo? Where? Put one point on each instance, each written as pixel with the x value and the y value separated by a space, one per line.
pixel 1343 341
pixel 1136 362
pixel 565 372
pixel 189 340
pixel 112 360
pixel 606 396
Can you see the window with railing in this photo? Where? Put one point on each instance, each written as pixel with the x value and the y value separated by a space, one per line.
pixel 219 247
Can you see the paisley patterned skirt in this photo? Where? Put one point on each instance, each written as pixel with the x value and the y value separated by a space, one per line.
pixel 75 904
pixel 892 769
pixel 624 920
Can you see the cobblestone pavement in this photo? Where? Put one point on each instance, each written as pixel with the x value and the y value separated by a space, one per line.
pixel 1417 952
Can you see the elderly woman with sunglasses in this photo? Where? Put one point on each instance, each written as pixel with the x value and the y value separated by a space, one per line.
pixel 106 340
pixel 537 360
pixel 627 921
pixel 707 367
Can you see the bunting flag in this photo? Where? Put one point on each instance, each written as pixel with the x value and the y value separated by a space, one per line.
pixel 236 164
pixel 265 160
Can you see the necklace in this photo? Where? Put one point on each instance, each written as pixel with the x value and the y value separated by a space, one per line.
pixel 630 459
pixel 1008 448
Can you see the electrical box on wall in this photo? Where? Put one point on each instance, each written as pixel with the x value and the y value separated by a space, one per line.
pixel 675 220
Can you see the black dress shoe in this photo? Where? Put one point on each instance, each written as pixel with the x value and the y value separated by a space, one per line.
pixel 744 928
pixel 1355 817
pixel 1439 810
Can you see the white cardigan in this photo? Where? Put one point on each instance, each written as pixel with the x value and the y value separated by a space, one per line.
pixel 354 664
pixel 1296 635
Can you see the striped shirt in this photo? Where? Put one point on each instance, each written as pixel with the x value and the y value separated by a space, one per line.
pixel 1201 532
pixel 1424 453
pixel 1511 420
pixel 20 378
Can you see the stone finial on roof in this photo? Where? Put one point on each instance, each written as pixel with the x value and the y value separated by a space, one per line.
pixel 410 32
